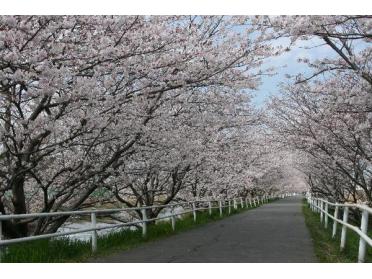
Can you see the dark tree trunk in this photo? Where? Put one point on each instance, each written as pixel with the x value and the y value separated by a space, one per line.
pixel 19 202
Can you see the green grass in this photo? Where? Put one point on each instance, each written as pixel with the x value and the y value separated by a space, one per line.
pixel 327 249
pixel 65 250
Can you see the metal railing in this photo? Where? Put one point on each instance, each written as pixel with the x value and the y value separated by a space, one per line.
pixel 323 207
pixel 188 207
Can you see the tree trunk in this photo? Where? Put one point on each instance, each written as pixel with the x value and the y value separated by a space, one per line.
pixel 19 201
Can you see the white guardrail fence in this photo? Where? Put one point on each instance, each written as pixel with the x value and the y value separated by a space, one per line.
pixel 188 207
pixel 323 207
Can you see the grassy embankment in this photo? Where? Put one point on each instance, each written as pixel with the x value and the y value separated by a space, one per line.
pixel 65 250
pixel 326 248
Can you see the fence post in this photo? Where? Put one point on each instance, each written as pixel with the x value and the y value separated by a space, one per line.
pixel 319 206
pixel 210 207
pixel 93 221
pixel 229 207
pixel 326 215
pixel 241 203
pixel 313 205
pixel 321 212
pixel 335 215
pixel 1 237
pixel 144 222
pixel 343 232
pixel 362 242
pixel 220 204
pixel 173 219
pixel 194 211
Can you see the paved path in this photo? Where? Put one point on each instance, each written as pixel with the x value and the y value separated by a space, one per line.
pixel 275 232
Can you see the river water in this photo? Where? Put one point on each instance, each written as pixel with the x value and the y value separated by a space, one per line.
pixel 86 236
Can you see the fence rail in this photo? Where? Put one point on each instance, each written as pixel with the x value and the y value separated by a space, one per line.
pixel 188 207
pixel 323 206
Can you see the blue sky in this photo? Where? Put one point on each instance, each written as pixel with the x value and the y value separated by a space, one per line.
pixel 287 64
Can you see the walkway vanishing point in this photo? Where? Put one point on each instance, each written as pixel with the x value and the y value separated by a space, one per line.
pixel 274 232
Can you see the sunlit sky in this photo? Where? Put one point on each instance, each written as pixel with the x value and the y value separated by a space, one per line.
pixel 287 64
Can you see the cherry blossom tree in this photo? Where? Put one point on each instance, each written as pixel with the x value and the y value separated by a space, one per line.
pixel 88 102
pixel 326 115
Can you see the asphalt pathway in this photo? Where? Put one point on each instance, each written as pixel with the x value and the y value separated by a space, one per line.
pixel 274 232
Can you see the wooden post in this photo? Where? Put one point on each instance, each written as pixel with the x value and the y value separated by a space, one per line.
pixel 220 204
pixel 93 221
pixel 326 215
pixel 194 211
pixel 343 231
pixel 144 222
pixel 319 206
pixel 362 242
pixel 335 215
pixel 1 237
pixel 173 219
